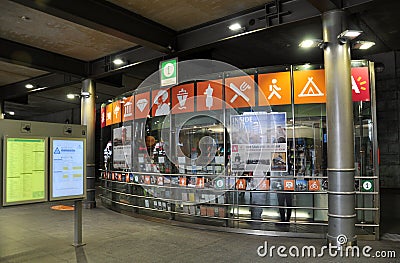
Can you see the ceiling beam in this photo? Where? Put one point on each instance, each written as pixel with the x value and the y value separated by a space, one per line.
pixel 106 17
pixel 325 5
pixel 44 82
pixel 28 56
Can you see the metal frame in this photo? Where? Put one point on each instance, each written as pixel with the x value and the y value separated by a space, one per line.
pixel 83 195
pixel 4 179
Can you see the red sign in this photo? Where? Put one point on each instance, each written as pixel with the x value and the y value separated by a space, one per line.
pixel 142 105
pixel 209 95
pixel 160 103
pixel 360 84
pixel 103 116
pixel 128 109
pixel 183 98
pixel 239 92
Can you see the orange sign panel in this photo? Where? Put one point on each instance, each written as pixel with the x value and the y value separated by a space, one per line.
pixel 160 102
pixel 200 182
pixel 274 89
pixel 264 185
pixel 288 185
pixel 128 109
pixel 314 185
pixel 117 112
pixel 209 95
pixel 109 113
pixel 182 181
pixel 239 92
pixel 142 105
pixel 241 184
pixel 183 98
pixel 309 86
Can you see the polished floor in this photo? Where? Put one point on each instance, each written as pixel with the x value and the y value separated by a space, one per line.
pixel 36 233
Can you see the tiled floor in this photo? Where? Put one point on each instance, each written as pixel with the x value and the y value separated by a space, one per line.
pixel 36 233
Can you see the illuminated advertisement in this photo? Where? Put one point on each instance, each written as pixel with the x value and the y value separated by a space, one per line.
pixel 25 173
pixel 67 179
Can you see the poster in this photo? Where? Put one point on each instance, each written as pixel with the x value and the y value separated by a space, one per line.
pixel 122 147
pixel 67 168
pixel 258 142
pixel 25 176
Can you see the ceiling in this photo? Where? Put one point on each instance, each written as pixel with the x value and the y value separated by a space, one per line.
pixel 56 44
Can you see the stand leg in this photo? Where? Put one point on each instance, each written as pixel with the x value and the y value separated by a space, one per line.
pixel 78 224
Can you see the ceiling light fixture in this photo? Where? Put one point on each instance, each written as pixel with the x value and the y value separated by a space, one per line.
pixel 348 35
pixel 308 43
pixel 72 96
pixel 11 113
pixel 29 86
pixel 235 27
pixel 363 44
pixel 118 61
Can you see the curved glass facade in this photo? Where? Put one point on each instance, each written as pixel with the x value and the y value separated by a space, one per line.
pixel 237 151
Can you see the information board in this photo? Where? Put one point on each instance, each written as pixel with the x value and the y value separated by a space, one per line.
pixel 25 170
pixel 67 168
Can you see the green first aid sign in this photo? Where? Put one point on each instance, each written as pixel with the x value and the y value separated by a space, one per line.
pixel 367 185
pixel 169 72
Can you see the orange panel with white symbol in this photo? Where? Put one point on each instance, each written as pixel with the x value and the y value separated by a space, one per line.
pixel 142 105
pixel 288 185
pixel 209 95
pixel 239 92
pixel 314 185
pixel 160 102
pixel 117 112
pixel 182 181
pixel 263 185
pixel 309 86
pixel 128 109
pixel 183 98
pixel 200 182
pixel 274 89
pixel 109 114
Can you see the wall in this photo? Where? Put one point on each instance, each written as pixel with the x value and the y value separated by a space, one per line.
pixel 388 116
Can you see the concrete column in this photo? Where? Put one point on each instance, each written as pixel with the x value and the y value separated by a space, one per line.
pixel 339 108
pixel 88 118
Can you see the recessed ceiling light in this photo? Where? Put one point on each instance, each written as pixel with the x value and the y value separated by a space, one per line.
pixel 25 18
pixel 235 27
pixel 363 44
pixel 118 61
pixel 29 86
